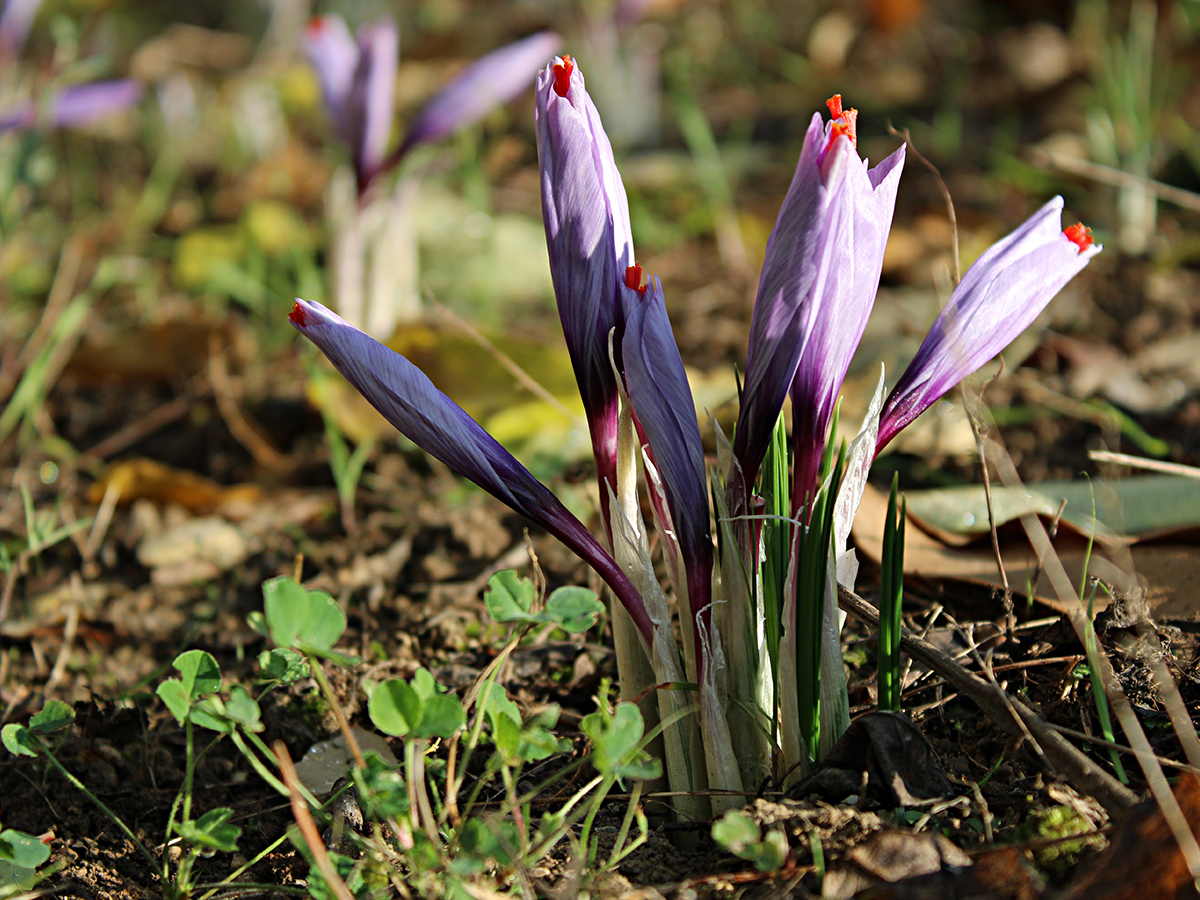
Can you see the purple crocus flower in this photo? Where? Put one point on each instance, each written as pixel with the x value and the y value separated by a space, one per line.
pixel 998 298
pixel 408 399
pixel 490 81
pixel 73 106
pixel 358 80
pixel 586 215
pixel 822 266
pixel 666 416
pixel 859 231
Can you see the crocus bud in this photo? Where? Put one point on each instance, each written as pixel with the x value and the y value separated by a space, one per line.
pixel 586 215
pixel 817 286
pixel 408 399
pixel 997 299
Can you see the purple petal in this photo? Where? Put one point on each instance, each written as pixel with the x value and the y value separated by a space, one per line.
pixel 15 22
pixel 372 97
pixel 333 53
pixel 860 230
pixel 586 215
pixel 998 298
pixel 490 81
pixel 436 424
pixel 662 401
pixel 75 105
pixel 796 264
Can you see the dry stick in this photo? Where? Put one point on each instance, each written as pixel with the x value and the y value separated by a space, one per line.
pixel 308 828
pixel 1114 177
pixel 1157 781
pixel 996 703
pixel 1140 462
pixel 522 377
pixel 239 424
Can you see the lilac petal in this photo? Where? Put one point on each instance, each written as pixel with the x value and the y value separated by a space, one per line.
pixel 490 81
pixel 15 22
pixel 998 298
pixel 333 53
pixel 372 97
pixel 586 215
pixel 794 269
pixel 75 105
pixel 662 401
pixel 860 229
pixel 435 423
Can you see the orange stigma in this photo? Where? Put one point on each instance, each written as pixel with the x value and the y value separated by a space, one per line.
pixel 1080 235
pixel 633 279
pixel 297 315
pixel 563 67
pixel 845 121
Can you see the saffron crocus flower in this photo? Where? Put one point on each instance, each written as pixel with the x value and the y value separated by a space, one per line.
pixel 586 214
pixel 358 81
pixel 822 266
pixel 997 299
pixel 862 219
pixel 408 399
pixel 73 106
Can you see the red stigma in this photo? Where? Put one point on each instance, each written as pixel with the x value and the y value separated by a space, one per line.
pixel 1080 235
pixel 845 122
pixel 633 279
pixel 297 316
pixel 316 25
pixel 563 67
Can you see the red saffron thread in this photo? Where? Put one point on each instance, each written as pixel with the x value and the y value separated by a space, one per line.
pixel 633 279
pixel 563 67
pixel 1080 235
pixel 297 316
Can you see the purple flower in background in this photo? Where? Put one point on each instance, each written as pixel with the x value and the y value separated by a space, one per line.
pixel 816 291
pixel 998 298
pixel 586 214
pixel 358 80
pixel 73 106
pixel 408 399
pixel 490 81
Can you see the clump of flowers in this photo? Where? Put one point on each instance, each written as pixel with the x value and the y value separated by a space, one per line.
pixel 753 672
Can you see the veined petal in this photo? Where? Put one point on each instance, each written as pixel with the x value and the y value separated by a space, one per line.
pixel 586 215
pixel 435 423
pixel 490 81
pixel 860 226
pixel 794 268
pixel 997 299
pixel 76 105
pixel 662 401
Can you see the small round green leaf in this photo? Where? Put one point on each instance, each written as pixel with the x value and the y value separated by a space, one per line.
pixel 395 708
pixel 19 740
